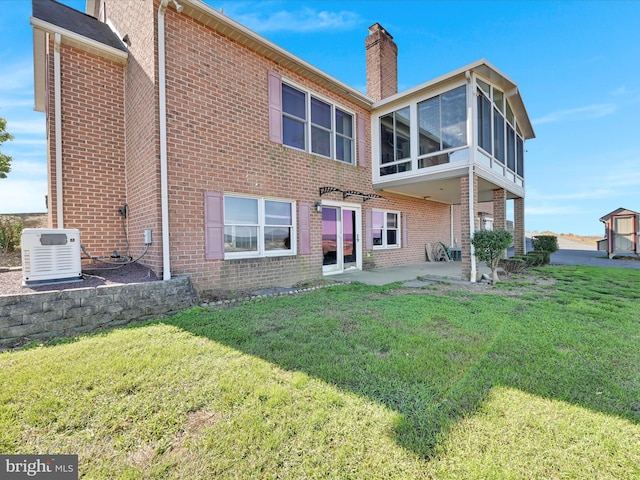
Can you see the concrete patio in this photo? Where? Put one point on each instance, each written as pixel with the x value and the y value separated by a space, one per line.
pixel 438 271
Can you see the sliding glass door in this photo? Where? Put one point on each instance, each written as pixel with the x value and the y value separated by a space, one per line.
pixel 341 238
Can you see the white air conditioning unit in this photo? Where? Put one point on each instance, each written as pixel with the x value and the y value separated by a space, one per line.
pixel 50 256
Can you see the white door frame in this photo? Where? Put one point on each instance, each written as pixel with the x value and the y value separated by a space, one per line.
pixel 339 267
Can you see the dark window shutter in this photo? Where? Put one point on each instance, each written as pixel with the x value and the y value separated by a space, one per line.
pixel 362 142
pixel 213 226
pixel 275 107
pixel 405 230
pixel 368 236
pixel 304 228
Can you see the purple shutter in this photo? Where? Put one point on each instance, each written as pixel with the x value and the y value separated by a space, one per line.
pixel 362 142
pixel 368 236
pixel 275 107
pixel 405 230
pixel 213 226
pixel 304 228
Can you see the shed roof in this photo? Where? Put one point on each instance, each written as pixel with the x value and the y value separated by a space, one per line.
pixel 618 211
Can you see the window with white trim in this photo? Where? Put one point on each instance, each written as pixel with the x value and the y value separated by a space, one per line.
pixel 498 131
pixel 385 229
pixel 258 227
pixel 395 142
pixel 316 126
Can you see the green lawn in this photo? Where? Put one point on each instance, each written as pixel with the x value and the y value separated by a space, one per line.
pixel 538 379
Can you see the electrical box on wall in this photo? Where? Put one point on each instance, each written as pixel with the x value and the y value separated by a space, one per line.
pixel 50 256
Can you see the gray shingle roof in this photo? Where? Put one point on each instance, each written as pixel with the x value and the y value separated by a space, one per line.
pixel 70 19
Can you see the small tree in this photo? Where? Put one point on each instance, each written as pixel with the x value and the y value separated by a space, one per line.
pixel 5 161
pixel 489 247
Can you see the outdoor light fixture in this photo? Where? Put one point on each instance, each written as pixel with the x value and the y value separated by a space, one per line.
pixel 318 206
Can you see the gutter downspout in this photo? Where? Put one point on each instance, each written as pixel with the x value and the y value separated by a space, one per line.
pixel 472 135
pixel 472 225
pixel 451 242
pixel 58 133
pixel 164 189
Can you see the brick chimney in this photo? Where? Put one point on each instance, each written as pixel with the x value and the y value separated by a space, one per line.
pixel 382 63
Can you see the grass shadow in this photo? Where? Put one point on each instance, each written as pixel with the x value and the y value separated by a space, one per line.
pixel 435 358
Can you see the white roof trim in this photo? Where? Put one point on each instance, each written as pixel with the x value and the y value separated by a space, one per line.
pixel 485 70
pixel 83 43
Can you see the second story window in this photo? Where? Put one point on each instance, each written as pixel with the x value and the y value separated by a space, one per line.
pixel 443 125
pixel 395 142
pixel 498 132
pixel 316 126
pixel 294 117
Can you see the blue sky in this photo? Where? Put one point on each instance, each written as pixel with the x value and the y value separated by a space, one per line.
pixel 576 63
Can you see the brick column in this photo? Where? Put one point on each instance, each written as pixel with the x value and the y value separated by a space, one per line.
pixel 519 245
pixel 468 267
pixel 500 209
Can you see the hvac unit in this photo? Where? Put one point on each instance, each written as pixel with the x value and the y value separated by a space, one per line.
pixel 50 255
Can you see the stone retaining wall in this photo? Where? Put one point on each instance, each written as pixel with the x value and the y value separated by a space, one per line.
pixel 45 315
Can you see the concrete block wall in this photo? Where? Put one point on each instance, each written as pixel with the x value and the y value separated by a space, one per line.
pixel 45 315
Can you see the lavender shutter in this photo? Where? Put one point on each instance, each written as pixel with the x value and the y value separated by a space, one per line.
pixel 275 107
pixel 213 226
pixel 304 228
pixel 405 230
pixel 368 235
pixel 362 142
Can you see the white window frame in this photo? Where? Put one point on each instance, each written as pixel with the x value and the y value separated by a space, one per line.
pixel 261 245
pixel 519 156
pixel 308 126
pixel 385 229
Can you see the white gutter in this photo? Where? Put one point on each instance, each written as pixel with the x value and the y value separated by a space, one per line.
pixel 472 134
pixel 58 133
pixel 164 189
pixel 451 242
pixel 472 225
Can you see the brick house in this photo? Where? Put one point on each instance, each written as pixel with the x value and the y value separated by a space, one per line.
pixel 251 167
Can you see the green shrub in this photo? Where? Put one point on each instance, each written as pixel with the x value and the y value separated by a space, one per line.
pixel 10 232
pixel 545 243
pixel 536 259
pixel 513 264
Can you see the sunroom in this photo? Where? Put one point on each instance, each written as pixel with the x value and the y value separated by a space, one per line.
pixel 457 139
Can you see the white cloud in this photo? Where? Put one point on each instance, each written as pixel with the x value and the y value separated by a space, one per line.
pixel 588 112
pixel 303 20
pixel 16 102
pixel 573 195
pixel 22 196
pixel 21 77
pixel 553 210
pixel 31 127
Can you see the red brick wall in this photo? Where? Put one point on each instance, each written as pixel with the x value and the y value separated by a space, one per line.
pixel 217 127
pixel 92 151
pixel 137 20
pixel 218 141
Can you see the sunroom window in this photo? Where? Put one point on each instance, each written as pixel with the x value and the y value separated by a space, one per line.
pixel 498 132
pixel 442 124
pixel 395 142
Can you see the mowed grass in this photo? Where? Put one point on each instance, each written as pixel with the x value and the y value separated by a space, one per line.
pixel 535 380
